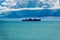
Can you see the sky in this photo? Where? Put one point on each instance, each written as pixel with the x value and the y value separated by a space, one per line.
pixel 17 5
pixel 30 3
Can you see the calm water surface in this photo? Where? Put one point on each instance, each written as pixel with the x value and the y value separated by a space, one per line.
pixel 12 30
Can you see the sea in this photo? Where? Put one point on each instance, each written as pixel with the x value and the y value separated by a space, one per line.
pixel 15 30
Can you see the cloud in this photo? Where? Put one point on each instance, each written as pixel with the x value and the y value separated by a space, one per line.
pixel 13 3
pixel 9 3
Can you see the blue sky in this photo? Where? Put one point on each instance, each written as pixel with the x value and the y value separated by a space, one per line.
pixel 1 1
pixel 30 3
pixel 33 3
pixel 39 13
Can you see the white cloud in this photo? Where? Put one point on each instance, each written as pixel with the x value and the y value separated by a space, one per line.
pixel 13 3
pixel 4 3
pixel 9 3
